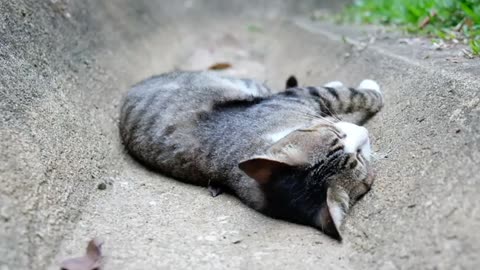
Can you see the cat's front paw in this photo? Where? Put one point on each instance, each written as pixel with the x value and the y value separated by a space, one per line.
pixel 370 84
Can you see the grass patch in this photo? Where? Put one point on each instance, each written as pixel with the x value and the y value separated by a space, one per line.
pixel 446 19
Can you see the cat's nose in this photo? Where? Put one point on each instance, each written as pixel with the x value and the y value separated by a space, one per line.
pixel 356 138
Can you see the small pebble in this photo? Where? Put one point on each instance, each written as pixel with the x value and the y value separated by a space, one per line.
pixel 102 186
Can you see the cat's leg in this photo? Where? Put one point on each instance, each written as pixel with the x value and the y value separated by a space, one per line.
pixel 215 190
pixel 337 99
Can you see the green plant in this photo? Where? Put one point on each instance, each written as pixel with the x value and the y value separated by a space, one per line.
pixel 475 45
pixel 445 19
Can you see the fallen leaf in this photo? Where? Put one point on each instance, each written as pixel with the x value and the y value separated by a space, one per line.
pixel 467 54
pixel 220 66
pixel 91 260
pixel 427 20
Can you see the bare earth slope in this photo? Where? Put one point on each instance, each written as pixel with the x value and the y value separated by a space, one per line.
pixel 64 66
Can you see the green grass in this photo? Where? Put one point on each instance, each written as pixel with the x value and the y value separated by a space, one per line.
pixel 445 19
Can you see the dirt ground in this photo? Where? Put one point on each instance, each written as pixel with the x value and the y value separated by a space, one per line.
pixel 65 66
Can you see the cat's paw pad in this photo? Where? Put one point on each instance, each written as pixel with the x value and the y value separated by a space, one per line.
pixel 370 84
pixel 334 84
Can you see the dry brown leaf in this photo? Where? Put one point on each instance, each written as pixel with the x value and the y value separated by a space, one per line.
pixel 427 20
pixel 91 260
pixel 220 66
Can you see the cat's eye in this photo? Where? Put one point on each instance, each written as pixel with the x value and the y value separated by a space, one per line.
pixel 334 142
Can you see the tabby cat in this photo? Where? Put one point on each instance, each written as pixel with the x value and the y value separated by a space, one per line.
pixel 285 154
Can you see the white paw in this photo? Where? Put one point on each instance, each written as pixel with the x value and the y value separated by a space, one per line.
pixel 370 84
pixel 334 84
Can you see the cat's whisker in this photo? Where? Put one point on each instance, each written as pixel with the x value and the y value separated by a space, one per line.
pixel 332 114
pixel 377 156
pixel 318 116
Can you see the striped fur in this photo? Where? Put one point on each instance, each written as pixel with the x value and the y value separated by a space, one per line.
pixel 280 153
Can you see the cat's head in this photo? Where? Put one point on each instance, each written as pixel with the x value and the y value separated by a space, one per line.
pixel 313 176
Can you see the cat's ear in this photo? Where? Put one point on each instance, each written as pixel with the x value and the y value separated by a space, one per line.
pixel 291 82
pixel 333 212
pixel 262 168
pixel 280 157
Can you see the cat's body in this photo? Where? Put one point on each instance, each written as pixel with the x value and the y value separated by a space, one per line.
pixel 273 151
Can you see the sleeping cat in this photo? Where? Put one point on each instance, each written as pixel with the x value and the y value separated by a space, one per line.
pixel 284 154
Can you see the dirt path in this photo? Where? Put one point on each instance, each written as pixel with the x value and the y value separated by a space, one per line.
pixel 149 222
pixel 65 65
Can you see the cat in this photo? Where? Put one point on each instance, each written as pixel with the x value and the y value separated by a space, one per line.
pixel 284 154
